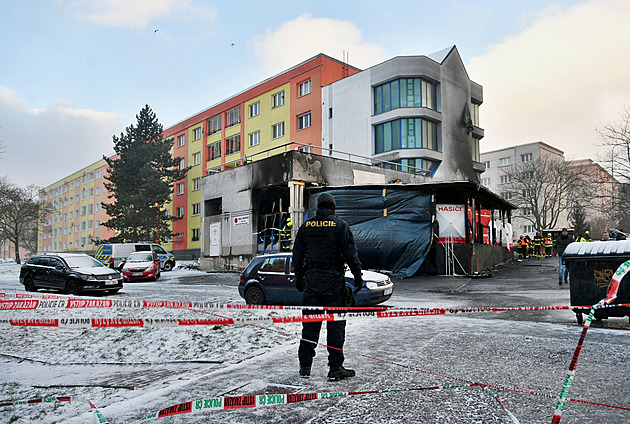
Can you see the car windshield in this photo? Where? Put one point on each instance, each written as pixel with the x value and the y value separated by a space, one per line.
pixel 83 262
pixel 142 257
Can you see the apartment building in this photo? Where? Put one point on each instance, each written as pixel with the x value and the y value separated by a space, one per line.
pixel 258 122
pixel 75 222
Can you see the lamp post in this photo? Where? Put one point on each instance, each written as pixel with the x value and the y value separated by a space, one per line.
pixel 612 182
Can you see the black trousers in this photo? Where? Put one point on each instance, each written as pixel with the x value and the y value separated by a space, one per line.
pixel 336 331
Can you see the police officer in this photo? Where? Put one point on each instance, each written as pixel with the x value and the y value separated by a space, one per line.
pixel 322 245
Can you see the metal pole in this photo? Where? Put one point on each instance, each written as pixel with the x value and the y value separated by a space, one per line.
pixel 612 182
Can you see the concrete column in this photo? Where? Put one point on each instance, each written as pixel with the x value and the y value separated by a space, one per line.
pixel 296 206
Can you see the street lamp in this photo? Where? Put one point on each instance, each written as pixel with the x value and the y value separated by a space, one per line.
pixel 612 182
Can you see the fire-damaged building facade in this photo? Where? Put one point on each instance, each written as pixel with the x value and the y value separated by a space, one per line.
pixel 399 150
pixel 403 222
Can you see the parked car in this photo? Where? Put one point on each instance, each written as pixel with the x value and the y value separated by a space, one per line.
pixel 114 255
pixel 269 279
pixel 69 272
pixel 141 266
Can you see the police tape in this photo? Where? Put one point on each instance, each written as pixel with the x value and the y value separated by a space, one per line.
pixel 611 295
pixel 99 416
pixel 256 401
pixel 176 322
pixel 33 301
pixel 28 302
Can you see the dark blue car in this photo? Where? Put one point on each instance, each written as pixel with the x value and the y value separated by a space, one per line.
pixel 269 279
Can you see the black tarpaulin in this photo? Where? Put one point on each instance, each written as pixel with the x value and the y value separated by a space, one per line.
pixel 392 227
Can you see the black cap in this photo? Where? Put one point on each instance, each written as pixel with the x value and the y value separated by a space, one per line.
pixel 326 200
pixel 564 229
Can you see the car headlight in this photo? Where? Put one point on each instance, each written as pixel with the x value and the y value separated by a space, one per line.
pixel 88 278
pixel 150 267
pixel 371 285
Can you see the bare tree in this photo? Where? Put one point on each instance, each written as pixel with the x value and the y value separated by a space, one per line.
pixel 616 136
pixel 19 214
pixel 547 187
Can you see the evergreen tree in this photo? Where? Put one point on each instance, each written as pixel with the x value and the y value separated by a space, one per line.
pixel 141 177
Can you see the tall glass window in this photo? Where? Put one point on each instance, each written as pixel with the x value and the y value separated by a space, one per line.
pixel 408 133
pixel 404 92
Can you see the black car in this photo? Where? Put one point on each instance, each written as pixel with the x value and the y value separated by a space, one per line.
pixel 269 279
pixel 69 272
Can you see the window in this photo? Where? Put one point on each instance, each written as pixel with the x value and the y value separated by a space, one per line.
pixel 180 212
pixel 97 224
pixel 254 109
pixel 97 207
pixel 408 133
pixel 182 163
pixel 304 88
pixel 304 120
pixel 214 125
pixel 83 210
pixel 195 234
pixel 98 191
pixel 528 228
pixel 83 225
pixel 71 200
pixel 82 241
pixel 487 164
pixel 196 158
pixel 90 192
pixel 505 179
pixel 505 161
pixel 507 195
pixel 90 224
pixel 233 117
pixel 527 211
pixel 181 140
pixel 70 215
pixel 277 99
pixel 277 130
pixel 527 193
pixel 180 188
pixel 527 157
pixel 485 181
pixel 254 139
pixel 83 193
pixel 233 144
pixel 475 149
pixel 196 208
pixel 214 150
pixel 404 92
pixel 196 183
pixel 474 113
pixel 98 175
pixel 90 209
pixel 196 134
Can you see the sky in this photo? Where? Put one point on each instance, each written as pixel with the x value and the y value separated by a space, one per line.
pixel 76 72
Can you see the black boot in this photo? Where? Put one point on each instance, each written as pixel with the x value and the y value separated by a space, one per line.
pixel 340 373
pixel 305 371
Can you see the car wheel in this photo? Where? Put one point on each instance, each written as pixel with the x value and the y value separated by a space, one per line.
pixel 113 291
pixel 29 285
pixel 72 288
pixel 168 266
pixel 254 296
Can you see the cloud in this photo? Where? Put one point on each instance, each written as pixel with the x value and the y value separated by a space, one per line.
pixel 42 146
pixel 558 80
pixel 137 13
pixel 305 37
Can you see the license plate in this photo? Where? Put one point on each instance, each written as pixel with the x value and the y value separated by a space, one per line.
pixel 136 274
pixel 111 283
pixel 387 291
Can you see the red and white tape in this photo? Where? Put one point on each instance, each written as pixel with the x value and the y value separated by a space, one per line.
pixel 99 416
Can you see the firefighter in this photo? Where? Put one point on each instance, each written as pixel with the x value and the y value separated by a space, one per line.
pixel 285 236
pixel 322 245
pixel 548 245
pixel 522 247
pixel 537 243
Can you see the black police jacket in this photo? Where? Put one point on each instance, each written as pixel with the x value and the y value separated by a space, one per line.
pixel 322 245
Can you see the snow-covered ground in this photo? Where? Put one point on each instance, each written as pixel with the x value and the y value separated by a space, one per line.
pixel 130 373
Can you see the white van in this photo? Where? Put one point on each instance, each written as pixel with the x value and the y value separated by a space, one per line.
pixel 114 255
